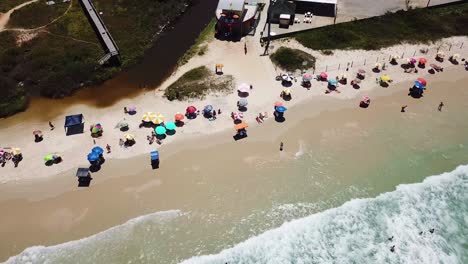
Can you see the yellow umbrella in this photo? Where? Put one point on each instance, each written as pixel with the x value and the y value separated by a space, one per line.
pixel 149 117
pixel 219 65
pixel 440 54
pixel 456 56
pixel 158 119
pixel 287 91
pixel 129 136
pixel 15 151
pixel 378 65
pixel 344 76
pixel 385 78
pixel 395 56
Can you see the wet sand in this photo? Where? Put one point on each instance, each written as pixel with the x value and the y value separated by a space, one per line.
pixel 214 173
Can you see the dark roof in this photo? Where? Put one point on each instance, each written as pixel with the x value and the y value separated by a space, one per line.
pixel 82 172
pixel 73 120
pixel 282 7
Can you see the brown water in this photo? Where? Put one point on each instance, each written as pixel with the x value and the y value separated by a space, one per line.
pixel 157 64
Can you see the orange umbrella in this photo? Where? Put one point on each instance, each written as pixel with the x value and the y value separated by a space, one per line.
pixel 179 117
pixel 422 61
pixel 241 126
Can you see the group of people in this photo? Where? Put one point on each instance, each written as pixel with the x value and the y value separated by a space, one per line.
pixel 7 156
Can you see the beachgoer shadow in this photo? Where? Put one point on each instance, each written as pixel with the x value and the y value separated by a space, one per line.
pixel 95 167
pixel 280 119
pixel 376 70
pixel 237 121
pixel 384 84
pixel 356 86
pixel 49 163
pixel 179 123
pixel 286 84
pixel 243 94
pixel 171 132
pixel 84 181
pixel 431 71
pixel 242 108
pixel 363 105
pixel 421 66
pixel 237 137
pixel 123 129
pixel 161 137
pixel 38 139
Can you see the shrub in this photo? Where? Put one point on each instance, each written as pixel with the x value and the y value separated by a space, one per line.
pixel 292 59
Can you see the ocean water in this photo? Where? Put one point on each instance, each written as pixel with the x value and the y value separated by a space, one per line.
pixel 359 230
pixel 355 232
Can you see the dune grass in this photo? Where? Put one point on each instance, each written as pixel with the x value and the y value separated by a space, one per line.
pixel 197 83
pixel 412 26
pixel 292 59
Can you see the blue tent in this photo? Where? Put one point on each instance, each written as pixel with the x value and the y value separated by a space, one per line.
pixel 73 120
pixel 155 155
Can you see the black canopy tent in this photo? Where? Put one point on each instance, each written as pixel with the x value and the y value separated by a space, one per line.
pixel 74 124
pixel 84 177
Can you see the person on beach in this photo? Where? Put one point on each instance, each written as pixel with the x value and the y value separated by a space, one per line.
pixel 403 108
pixel 125 110
pixel 281 146
pixel 392 248
pixel 440 106
pixel 232 115
pixel 219 111
pixel 121 142
pixel 108 147
pixel 432 230
pixel 52 127
pixel 214 114
pixel 94 141
pixel 390 238
pixel 245 48
pixel 251 87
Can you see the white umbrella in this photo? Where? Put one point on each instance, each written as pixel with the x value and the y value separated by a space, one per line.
pixel 243 102
pixel 243 88
pixel 287 78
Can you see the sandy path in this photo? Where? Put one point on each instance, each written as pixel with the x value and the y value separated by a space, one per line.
pixel 4 18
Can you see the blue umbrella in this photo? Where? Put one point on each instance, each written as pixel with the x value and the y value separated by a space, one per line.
pixel 332 81
pixel 93 156
pixel 419 85
pixel 97 150
pixel 281 109
pixel 208 109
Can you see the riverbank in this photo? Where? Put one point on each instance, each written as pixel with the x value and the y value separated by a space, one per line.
pixel 322 132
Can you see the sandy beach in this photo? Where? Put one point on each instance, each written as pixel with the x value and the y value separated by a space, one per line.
pixel 47 211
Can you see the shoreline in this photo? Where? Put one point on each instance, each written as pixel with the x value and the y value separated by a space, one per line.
pixel 62 212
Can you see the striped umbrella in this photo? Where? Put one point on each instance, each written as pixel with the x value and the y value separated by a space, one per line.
pixel 149 117
pixel 238 116
pixel 158 119
pixel 287 91
pixel 15 151
pixel 129 136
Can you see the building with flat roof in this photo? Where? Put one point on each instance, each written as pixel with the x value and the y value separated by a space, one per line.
pixel 235 17
pixel 316 7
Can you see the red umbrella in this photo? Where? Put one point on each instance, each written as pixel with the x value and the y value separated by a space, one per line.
pixel 422 81
pixel 37 132
pixel 191 109
pixel 278 104
pixel 422 61
pixel 179 117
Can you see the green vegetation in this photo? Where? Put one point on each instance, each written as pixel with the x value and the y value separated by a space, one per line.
pixel 36 14
pixel 198 48
pixel 413 26
pixel 292 59
pixel 6 5
pixel 64 56
pixel 197 83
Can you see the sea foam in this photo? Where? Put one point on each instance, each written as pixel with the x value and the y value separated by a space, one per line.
pixel 359 230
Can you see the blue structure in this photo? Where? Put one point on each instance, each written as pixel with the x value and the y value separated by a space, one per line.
pixel 74 124
pixel 154 159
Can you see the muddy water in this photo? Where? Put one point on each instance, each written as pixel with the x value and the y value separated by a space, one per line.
pixel 157 64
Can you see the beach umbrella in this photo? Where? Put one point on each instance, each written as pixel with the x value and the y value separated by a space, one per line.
pixel 281 109
pixel 277 103
pixel 208 109
pixel 131 108
pixel 241 126
pixel 344 76
pixel 179 117
pixel 129 137
pixel 98 150
pixel 456 56
pixel 243 88
pixel 440 54
pixel 158 119
pixel 422 61
pixel 323 75
pixel 332 82
pixel 170 126
pixel 49 157
pixel 307 77
pixel 148 117
pixel 395 56
pixel 243 102
pixel 412 60
pixel 191 109
pixel 238 116
pixel 121 124
pixel 96 128
pixel 419 85
pixel 366 98
pixel 37 132
pixel 378 65
pixel 287 91
pixel 385 78
pixel 160 130
pixel 287 78
pixel 15 151
pixel 93 156
pixel 422 81
pixel 219 65
pixel 361 71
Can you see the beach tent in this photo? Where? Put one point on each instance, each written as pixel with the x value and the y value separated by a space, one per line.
pixel 122 124
pixel 74 124
pixel 84 177
pixel 154 159
pixel 83 172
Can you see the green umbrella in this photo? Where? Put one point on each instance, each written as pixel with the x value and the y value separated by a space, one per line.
pixel 49 157
pixel 160 130
pixel 170 126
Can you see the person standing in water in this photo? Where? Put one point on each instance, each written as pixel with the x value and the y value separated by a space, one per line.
pixel 440 106
pixel 403 108
pixel 52 127
pixel 281 146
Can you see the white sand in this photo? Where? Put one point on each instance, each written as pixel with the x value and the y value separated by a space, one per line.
pixel 251 68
